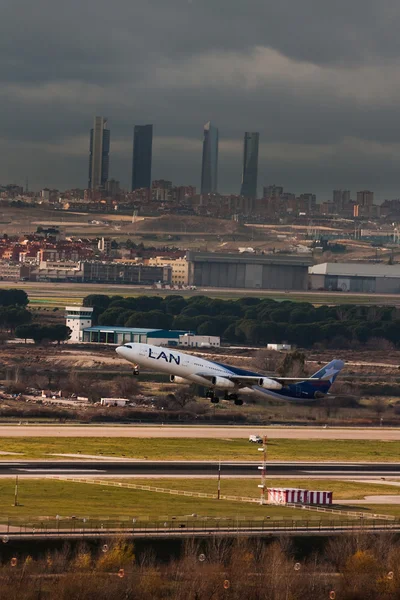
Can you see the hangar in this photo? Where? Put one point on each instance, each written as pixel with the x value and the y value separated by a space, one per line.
pixel 122 335
pixel 356 277
pixel 249 271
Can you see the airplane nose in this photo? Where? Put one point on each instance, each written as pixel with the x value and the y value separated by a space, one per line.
pixel 119 350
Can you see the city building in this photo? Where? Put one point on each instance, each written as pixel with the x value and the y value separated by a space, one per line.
pixel 190 340
pixel 105 245
pixel 112 272
pixel 179 268
pixel 341 198
pixel 252 271
pixel 14 271
pixel 356 277
pixel 99 154
pixel 272 191
pixel 209 167
pixel 142 157
pixel 97 271
pixel 250 165
pixel 365 198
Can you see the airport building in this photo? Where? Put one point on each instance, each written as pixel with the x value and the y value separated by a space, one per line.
pixel 79 320
pixel 102 334
pixel 356 277
pixel 249 271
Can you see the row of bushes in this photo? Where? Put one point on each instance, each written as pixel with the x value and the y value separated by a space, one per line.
pixel 252 320
pixel 349 568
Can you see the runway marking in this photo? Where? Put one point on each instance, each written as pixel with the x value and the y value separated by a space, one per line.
pixel 51 469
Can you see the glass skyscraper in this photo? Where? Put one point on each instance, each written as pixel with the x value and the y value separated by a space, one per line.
pixel 250 165
pixel 142 156
pixel 99 154
pixel 209 169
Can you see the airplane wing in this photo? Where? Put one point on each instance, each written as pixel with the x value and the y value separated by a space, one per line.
pixel 232 377
pixel 243 380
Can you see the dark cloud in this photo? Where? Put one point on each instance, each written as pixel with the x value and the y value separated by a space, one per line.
pixel 320 80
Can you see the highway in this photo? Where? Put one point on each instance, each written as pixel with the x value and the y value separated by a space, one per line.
pixel 195 468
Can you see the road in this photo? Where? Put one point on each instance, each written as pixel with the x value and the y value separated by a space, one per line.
pixel 51 291
pixel 195 468
pixel 167 431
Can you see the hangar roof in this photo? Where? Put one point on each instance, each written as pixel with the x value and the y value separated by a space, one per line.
pixel 355 269
pixel 151 333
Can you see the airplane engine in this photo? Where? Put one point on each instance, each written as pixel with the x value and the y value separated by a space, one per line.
pixel 223 383
pixel 175 379
pixel 269 384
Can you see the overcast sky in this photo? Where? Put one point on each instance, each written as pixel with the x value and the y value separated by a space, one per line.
pixel 319 79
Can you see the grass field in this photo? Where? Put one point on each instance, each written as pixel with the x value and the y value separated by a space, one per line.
pixel 47 498
pixel 205 449
pixel 342 490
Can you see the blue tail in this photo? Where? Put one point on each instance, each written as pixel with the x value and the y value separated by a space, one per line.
pixel 330 371
pixel 324 378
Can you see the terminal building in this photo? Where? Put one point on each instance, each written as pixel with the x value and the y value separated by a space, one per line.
pixel 365 278
pixel 79 320
pixel 249 271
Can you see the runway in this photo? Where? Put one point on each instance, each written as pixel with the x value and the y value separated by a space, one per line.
pixel 168 431
pixel 195 468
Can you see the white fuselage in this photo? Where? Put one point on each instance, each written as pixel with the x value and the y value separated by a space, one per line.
pixel 175 363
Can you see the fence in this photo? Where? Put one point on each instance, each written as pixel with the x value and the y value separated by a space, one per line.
pixel 157 489
pixel 102 527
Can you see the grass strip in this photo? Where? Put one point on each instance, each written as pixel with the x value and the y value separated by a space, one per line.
pixel 204 449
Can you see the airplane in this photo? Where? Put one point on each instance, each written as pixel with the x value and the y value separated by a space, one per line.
pixel 184 368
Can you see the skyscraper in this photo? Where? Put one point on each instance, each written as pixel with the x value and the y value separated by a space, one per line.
pixel 99 153
pixel 209 168
pixel 142 156
pixel 250 165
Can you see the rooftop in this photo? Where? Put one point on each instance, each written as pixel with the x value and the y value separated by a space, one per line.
pixel 356 269
pixel 160 333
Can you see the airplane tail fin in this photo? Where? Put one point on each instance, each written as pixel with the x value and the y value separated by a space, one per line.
pixel 325 377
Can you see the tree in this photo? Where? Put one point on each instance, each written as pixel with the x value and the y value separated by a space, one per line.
pixel 60 333
pixel 24 332
pixel 13 297
pixel 12 316
pixel 126 387
pixel 293 364
pixel 266 360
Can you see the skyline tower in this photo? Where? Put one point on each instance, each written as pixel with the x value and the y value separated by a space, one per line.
pixel 142 156
pixel 99 149
pixel 250 165
pixel 209 167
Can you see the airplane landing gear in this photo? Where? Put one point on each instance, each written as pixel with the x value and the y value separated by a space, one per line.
pixel 211 396
pixel 234 397
pixel 136 371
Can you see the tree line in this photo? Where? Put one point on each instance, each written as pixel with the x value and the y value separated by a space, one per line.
pixel 17 319
pixel 358 567
pixel 252 320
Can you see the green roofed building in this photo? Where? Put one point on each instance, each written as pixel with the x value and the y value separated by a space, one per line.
pixel 122 335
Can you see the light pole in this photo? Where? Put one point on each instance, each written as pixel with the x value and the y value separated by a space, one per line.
pixel 263 469
pixel 219 481
pixel 16 491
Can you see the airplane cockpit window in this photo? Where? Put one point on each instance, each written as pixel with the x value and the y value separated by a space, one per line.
pixel 128 346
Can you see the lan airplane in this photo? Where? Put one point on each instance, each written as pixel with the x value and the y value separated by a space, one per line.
pixel 186 368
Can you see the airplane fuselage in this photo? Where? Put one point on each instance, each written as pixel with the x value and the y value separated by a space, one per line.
pixel 188 368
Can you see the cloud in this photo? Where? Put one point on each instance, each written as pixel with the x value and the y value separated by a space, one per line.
pixel 319 80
